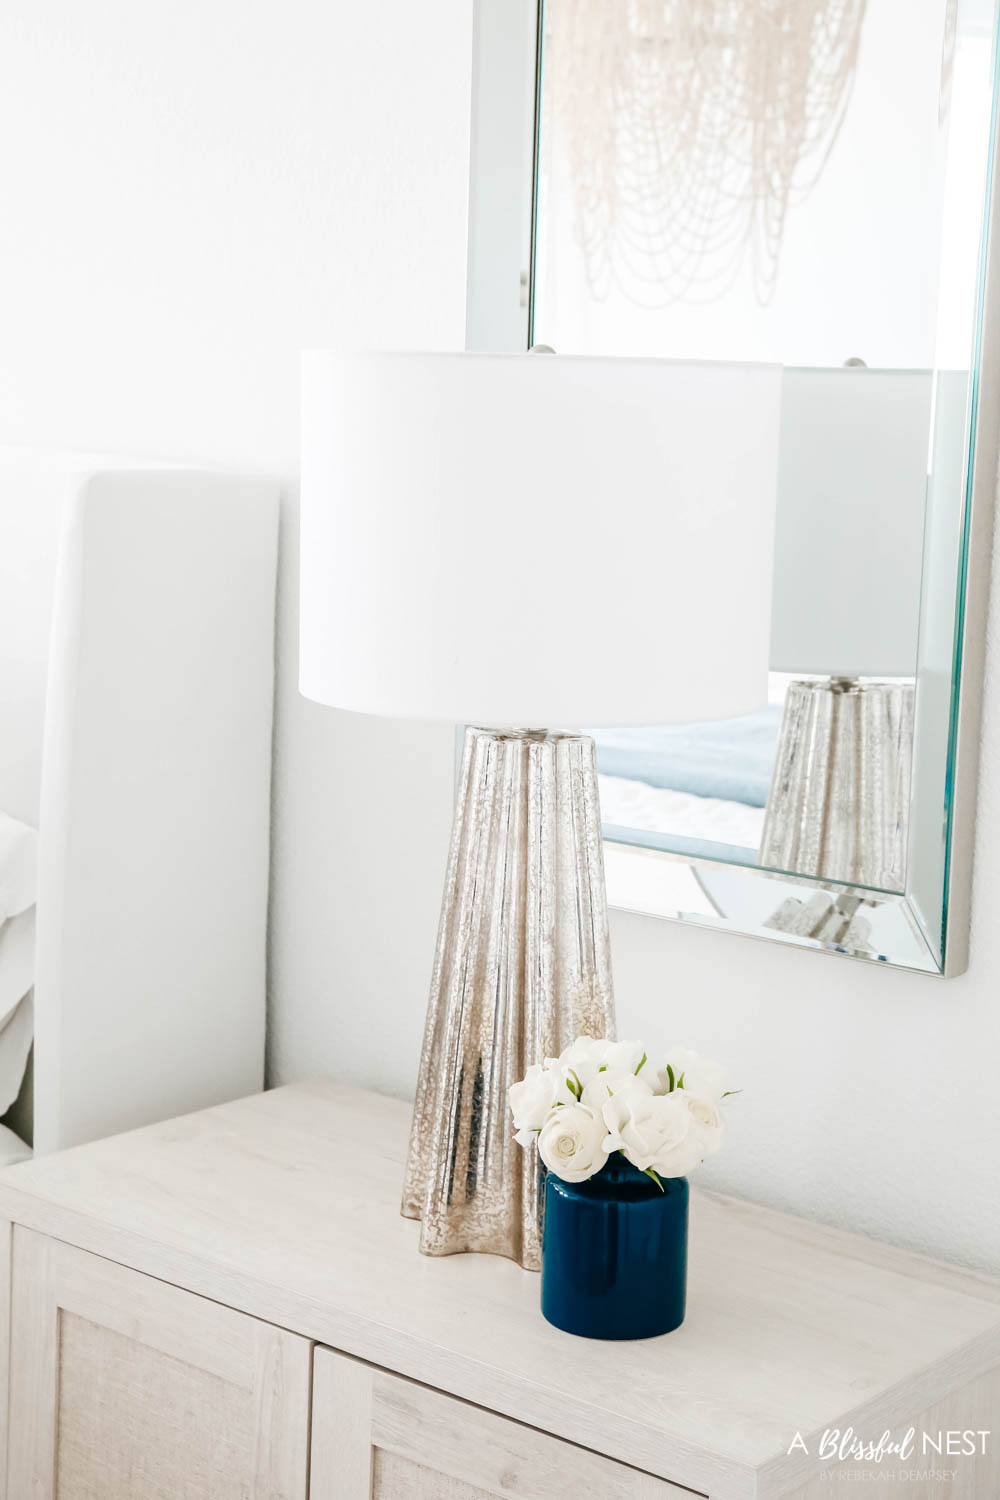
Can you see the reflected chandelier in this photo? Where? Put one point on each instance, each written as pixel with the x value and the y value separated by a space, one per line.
pixel 689 127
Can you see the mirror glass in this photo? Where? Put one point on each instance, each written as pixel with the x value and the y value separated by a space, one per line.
pixel 803 184
pixel 716 181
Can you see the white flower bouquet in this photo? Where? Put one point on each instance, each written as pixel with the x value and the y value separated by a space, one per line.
pixel 599 1097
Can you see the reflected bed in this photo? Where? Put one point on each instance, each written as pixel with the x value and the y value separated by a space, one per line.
pixel 694 788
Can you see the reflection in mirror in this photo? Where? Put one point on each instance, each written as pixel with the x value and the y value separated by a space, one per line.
pixel 804 184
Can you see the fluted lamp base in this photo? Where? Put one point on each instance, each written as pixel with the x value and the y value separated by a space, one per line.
pixel 838 808
pixel 522 967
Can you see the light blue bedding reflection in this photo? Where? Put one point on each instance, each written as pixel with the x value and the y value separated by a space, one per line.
pixel 731 758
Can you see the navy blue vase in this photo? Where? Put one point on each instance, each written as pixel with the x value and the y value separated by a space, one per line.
pixel 614 1253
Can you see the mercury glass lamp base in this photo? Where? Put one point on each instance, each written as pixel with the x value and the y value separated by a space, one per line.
pixel 522 967
pixel 838 807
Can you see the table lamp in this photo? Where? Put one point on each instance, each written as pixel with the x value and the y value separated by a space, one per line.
pixel 512 541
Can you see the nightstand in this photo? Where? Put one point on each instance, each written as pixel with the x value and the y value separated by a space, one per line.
pixel 230 1305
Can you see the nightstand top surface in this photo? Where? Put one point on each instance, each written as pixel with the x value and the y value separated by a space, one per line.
pixel 286 1206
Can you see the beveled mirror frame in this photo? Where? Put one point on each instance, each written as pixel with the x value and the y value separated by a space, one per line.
pixel 506 81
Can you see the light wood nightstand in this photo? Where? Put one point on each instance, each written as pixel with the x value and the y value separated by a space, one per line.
pixel 229 1305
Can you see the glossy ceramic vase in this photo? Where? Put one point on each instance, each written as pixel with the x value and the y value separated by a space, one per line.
pixel 614 1253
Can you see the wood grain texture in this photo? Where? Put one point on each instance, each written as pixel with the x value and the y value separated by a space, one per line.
pixel 125 1388
pixel 285 1206
pixel 399 1479
pixel 361 1414
pixel 341 1428
pixel 34 1366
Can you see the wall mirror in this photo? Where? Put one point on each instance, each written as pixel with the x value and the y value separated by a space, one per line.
pixel 807 184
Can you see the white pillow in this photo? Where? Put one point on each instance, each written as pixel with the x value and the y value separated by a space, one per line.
pixel 17 961
pixel 18 885
pixel 15 1044
pixel 18 866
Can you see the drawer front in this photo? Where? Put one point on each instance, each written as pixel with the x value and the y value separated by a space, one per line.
pixel 376 1436
pixel 125 1388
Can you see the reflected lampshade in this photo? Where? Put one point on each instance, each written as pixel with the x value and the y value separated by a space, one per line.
pixel 537 540
pixel 852 493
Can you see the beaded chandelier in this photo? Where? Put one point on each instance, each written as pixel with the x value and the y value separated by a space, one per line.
pixel 689 128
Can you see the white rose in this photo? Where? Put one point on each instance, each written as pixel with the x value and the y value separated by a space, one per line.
pixel 706 1121
pixel 585 1048
pixel 531 1100
pixel 624 1056
pixel 606 1085
pixel 647 1127
pixel 572 1143
pixel 582 1059
pixel 700 1075
pixel 703 1136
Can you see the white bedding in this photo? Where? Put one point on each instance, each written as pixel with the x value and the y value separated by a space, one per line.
pixel 18 866
pixel 18 884
pixel 635 804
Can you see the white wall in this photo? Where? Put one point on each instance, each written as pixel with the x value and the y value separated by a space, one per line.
pixel 189 193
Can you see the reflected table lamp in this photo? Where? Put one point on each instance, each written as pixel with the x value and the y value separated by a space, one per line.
pixel 509 542
pixel 852 510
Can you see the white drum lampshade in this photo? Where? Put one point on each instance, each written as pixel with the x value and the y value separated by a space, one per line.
pixel 527 540
pixel 533 539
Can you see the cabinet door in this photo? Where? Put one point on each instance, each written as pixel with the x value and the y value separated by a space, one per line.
pixel 376 1436
pixel 125 1388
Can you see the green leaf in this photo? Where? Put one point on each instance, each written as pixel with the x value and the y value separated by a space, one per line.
pixel 642 1063
pixel 578 1091
pixel 653 1177
pixel 730 1093
pixel 603 1068
pixel 680 1081
pixel 670 1076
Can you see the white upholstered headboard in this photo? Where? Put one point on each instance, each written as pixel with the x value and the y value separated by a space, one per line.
pixel 136 690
